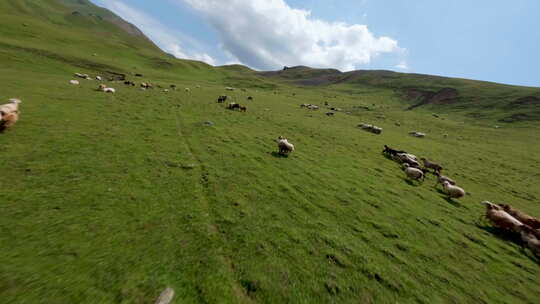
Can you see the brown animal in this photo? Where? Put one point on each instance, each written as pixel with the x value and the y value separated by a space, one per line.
pixel 500 218
pixel 8 120
pixel 530 238
pixel 441 179
pixel 528 220
pixel 431 165
pixel 243 108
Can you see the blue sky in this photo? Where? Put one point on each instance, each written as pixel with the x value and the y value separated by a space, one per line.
pixel 493 40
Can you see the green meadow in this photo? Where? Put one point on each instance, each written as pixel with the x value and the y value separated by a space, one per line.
pixel 111 198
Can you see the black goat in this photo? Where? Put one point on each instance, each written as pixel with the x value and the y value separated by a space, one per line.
pixel 390 151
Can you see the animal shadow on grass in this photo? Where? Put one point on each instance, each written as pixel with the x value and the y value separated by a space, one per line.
pixel 387 156
pixel 449 200
pixel 412 183
pixel 507 236
pixel 279 155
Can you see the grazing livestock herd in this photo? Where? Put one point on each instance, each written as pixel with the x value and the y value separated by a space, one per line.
pixel 502 216
pixel 515 221
pixel 415 171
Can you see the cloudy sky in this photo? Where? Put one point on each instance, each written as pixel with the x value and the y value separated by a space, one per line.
pixel 494 40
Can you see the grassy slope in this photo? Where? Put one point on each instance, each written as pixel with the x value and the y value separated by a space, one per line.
pixel 111 198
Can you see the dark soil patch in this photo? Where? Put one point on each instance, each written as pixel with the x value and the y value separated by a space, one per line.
pixel 516 118
pixel 523 101
pixel 443 96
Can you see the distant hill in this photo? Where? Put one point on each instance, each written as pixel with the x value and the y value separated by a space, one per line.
pixel 476 98
pixel 84 8
pixel 79 33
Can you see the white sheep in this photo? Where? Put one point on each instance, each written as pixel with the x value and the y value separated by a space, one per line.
pixel 365 126
pixel 98 78
pixel 187 90
pixel 453 191
pixel 417 134
pixel 413 173
pixel 284 145
pixel 408 158
pixel 74 82
pixel 109 90
pixel 376 130
pixel 501 218
pixel 10 107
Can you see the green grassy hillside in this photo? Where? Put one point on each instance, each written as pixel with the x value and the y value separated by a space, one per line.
pixel 113 198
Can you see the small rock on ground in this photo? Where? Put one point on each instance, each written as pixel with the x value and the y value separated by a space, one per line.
pixel 188 166
pixel 166 296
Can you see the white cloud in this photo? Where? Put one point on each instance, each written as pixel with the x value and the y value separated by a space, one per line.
pixel 157 32
pixel 268 34
pixel 204 57
pixel 402 65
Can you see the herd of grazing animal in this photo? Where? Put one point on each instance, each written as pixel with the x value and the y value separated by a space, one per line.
pixel 413 170
pixel 104 88
pixel 233 105
pixel 515 221
pixel 501 216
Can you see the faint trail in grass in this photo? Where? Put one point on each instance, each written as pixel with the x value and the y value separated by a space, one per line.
pixel 237 290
